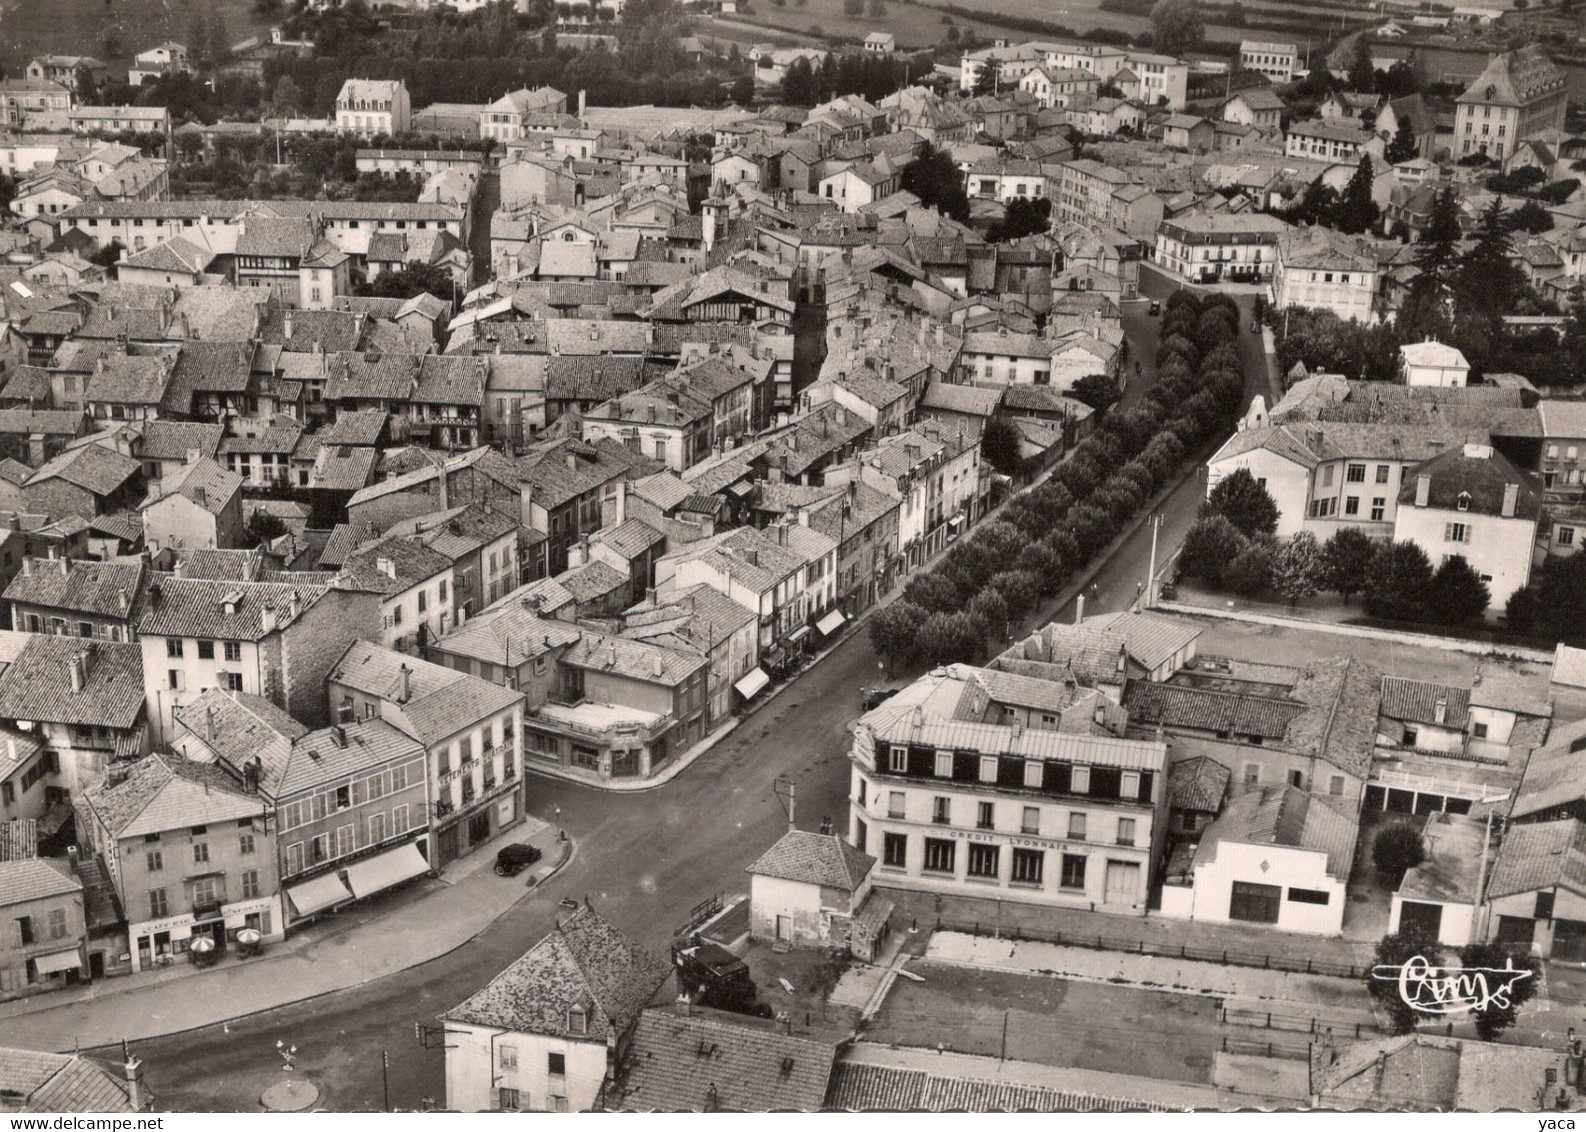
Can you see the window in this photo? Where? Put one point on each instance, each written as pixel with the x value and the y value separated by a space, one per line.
pixel 1355 474
pixel 1028 866
pixel 1254 903
pixel 1463 501
pixel 173 646
pixel 1308 896
pixel 899 760
pixel 556 1064
pixel 509 1099
pixel 206 650
pixel 1544 906
pixel 1125 831
pixel 233 651
pixel 895 804
pixel 508 1055
pixel 200 852
pixel 1033 775
pixel 1456 532
pixel 939 855
pixel 1073 875
pixel 155 861
pixel 1030 822
pixel 983 816
pixel 988 768
pixel 233 681
pixel 941 810
pixel 57 923
pixel 343 797
pixel 1335 784
pixel 1382 473
pixel 250 884
pixel 1378 505
pixel 1076 826
pixel 1352 505
pixel 983 861
pixel 1252 775
pixel 1566 536
pixel 1129 785
pixel 1079 780
pixel 158 905
pixel 1327 475
pixel 895 850
pixel 944 764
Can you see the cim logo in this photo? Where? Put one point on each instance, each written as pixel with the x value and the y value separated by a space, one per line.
pixel 1452 990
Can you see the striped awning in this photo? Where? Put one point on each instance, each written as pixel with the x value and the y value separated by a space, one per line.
pixel 318 894
pixel 378 873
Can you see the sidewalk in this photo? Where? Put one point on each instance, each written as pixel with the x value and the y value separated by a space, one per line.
pixel 347 949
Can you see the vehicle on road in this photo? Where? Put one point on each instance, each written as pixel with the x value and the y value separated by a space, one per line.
pixel 1156 306
pixel 513 859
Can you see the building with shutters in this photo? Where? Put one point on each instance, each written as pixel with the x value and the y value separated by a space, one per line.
pixel 1055 811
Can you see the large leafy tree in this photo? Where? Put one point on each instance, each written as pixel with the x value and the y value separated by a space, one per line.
pixel 1177 26
pixel 986 79
pixel 1346 560
pixel 1392 953
pixel 1097 390
pixel 1487 282
pixel 414 279
pixel 1457 595
pixel 934 178
pixel 1244 503
pixel 892 630
pixel 1426 308
pixel 999 446
pixel 1398 582
pixel 1210 548
pixel 1297 573
pixel 1500 1013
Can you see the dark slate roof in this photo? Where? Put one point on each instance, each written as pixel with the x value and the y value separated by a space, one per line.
pixel 173 440
pixel 709 1060
pixel 38 684
pixel 583 962
pixel 814 858
pixel 1204 709
pixel 1199 783
pixel 1483 478
pixel 94 467
pixel 1415 701
pixel 58 1082
pixel 1549 854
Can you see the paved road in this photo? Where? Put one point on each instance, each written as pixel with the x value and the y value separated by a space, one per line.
pixel 643 860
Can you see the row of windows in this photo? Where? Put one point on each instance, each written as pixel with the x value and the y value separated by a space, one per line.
pixel 988 769
pixel 154 859
pixel 986 817
pixel 205 890
pixel 175 648
pixel 355 792
pixel 345 841
pixel 1327 508
pixel 940 855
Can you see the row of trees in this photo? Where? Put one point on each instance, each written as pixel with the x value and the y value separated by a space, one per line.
pixel 1233 546
pixel 1002 572
pixel 871 76
pixel 1493 1017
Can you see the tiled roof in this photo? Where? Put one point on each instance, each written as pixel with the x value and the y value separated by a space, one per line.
pixel 1285 815
pixel 712 1061
pixel 1555 774
pixel 360 428
pixel 1151 639
pixel 583 962
pixel 864 1087
pixel 203 482
pixel 451 380
pixel 411 564
pixel 1415 701
pixel 636 660
pixel 1537 855
pixel 93 467
pixel 823 859
pixel 35 878
pixel 197 607
pixel 1198 783
pixel 507 634
pixel 440 703
pixel 56 1082
pixel 37 685
pixel 1204 709
pixel 222 565
pixel 104 589
pixel 164 792
pixel 173 440
pixel 592 581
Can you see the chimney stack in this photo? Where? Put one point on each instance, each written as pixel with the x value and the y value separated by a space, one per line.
pixel 134 1071
pixel 1440 710
pixel 1511 499
pixel 405 679
pixel 1423 490
pixel 1079 609
pixel 79 671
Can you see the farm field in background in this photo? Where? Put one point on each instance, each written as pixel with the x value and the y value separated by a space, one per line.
pixel 914 28
pixel 79 27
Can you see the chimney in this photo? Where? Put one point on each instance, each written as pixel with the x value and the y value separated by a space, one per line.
pixel 1440 710
pixel 27 566
pixel 1511 497
pixel 1423 490
pixel 572 461
pixel 405 684
pixel 179 569
pixel 286 324
pixel 268 619
pixel 580 106
pixel 1079 609
pixel 134 1071
pixel 386 567
pixel 79 671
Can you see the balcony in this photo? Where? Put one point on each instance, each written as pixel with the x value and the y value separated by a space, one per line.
pixel 941 819
pixel 206 909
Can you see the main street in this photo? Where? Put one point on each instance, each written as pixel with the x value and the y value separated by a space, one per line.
pixel 643 859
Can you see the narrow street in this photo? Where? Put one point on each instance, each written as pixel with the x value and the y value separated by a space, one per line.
pixel 643 859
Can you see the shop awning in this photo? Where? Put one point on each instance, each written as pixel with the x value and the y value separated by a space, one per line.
pixel 318 894
pixel 831 622
pixel 752 684
pixel 57 961
pixel 376 874
pixel 956 521
pixel 797 635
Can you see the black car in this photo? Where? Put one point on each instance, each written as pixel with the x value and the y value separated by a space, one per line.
pixel 513 859
pixel 1156 307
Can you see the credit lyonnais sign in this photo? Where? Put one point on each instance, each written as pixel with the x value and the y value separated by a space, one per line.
pixel 1430 989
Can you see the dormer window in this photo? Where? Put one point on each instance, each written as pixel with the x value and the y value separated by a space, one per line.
pixel 577 1020
pixel 1464 501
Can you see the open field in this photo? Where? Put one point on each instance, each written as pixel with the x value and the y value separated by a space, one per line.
pixel 80 27
pixel 1052 1021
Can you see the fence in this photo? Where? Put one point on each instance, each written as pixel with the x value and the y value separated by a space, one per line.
pixel 1100 942
pixel 1287 1050
pixel 1295 1023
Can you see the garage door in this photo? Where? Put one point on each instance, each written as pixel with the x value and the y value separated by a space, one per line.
pixel 1123 882
pixel 1426 919
pixel 1255 903
pixel 1515 931
pixel 1569 941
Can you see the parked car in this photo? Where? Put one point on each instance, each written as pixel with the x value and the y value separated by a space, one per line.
pixel 513 859
pixel 1156 307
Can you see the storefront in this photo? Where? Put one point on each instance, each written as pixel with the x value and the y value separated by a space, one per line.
pixel 262 915
pixel 386 870
pixel 828 625
pixel 322 894
pixel 158 943
pixel 754 682
pixel 60 968
pixel 458 834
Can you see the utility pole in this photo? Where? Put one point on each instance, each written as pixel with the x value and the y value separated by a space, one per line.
pixel 777 788
pixel 1150 578
pixel 385 1078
